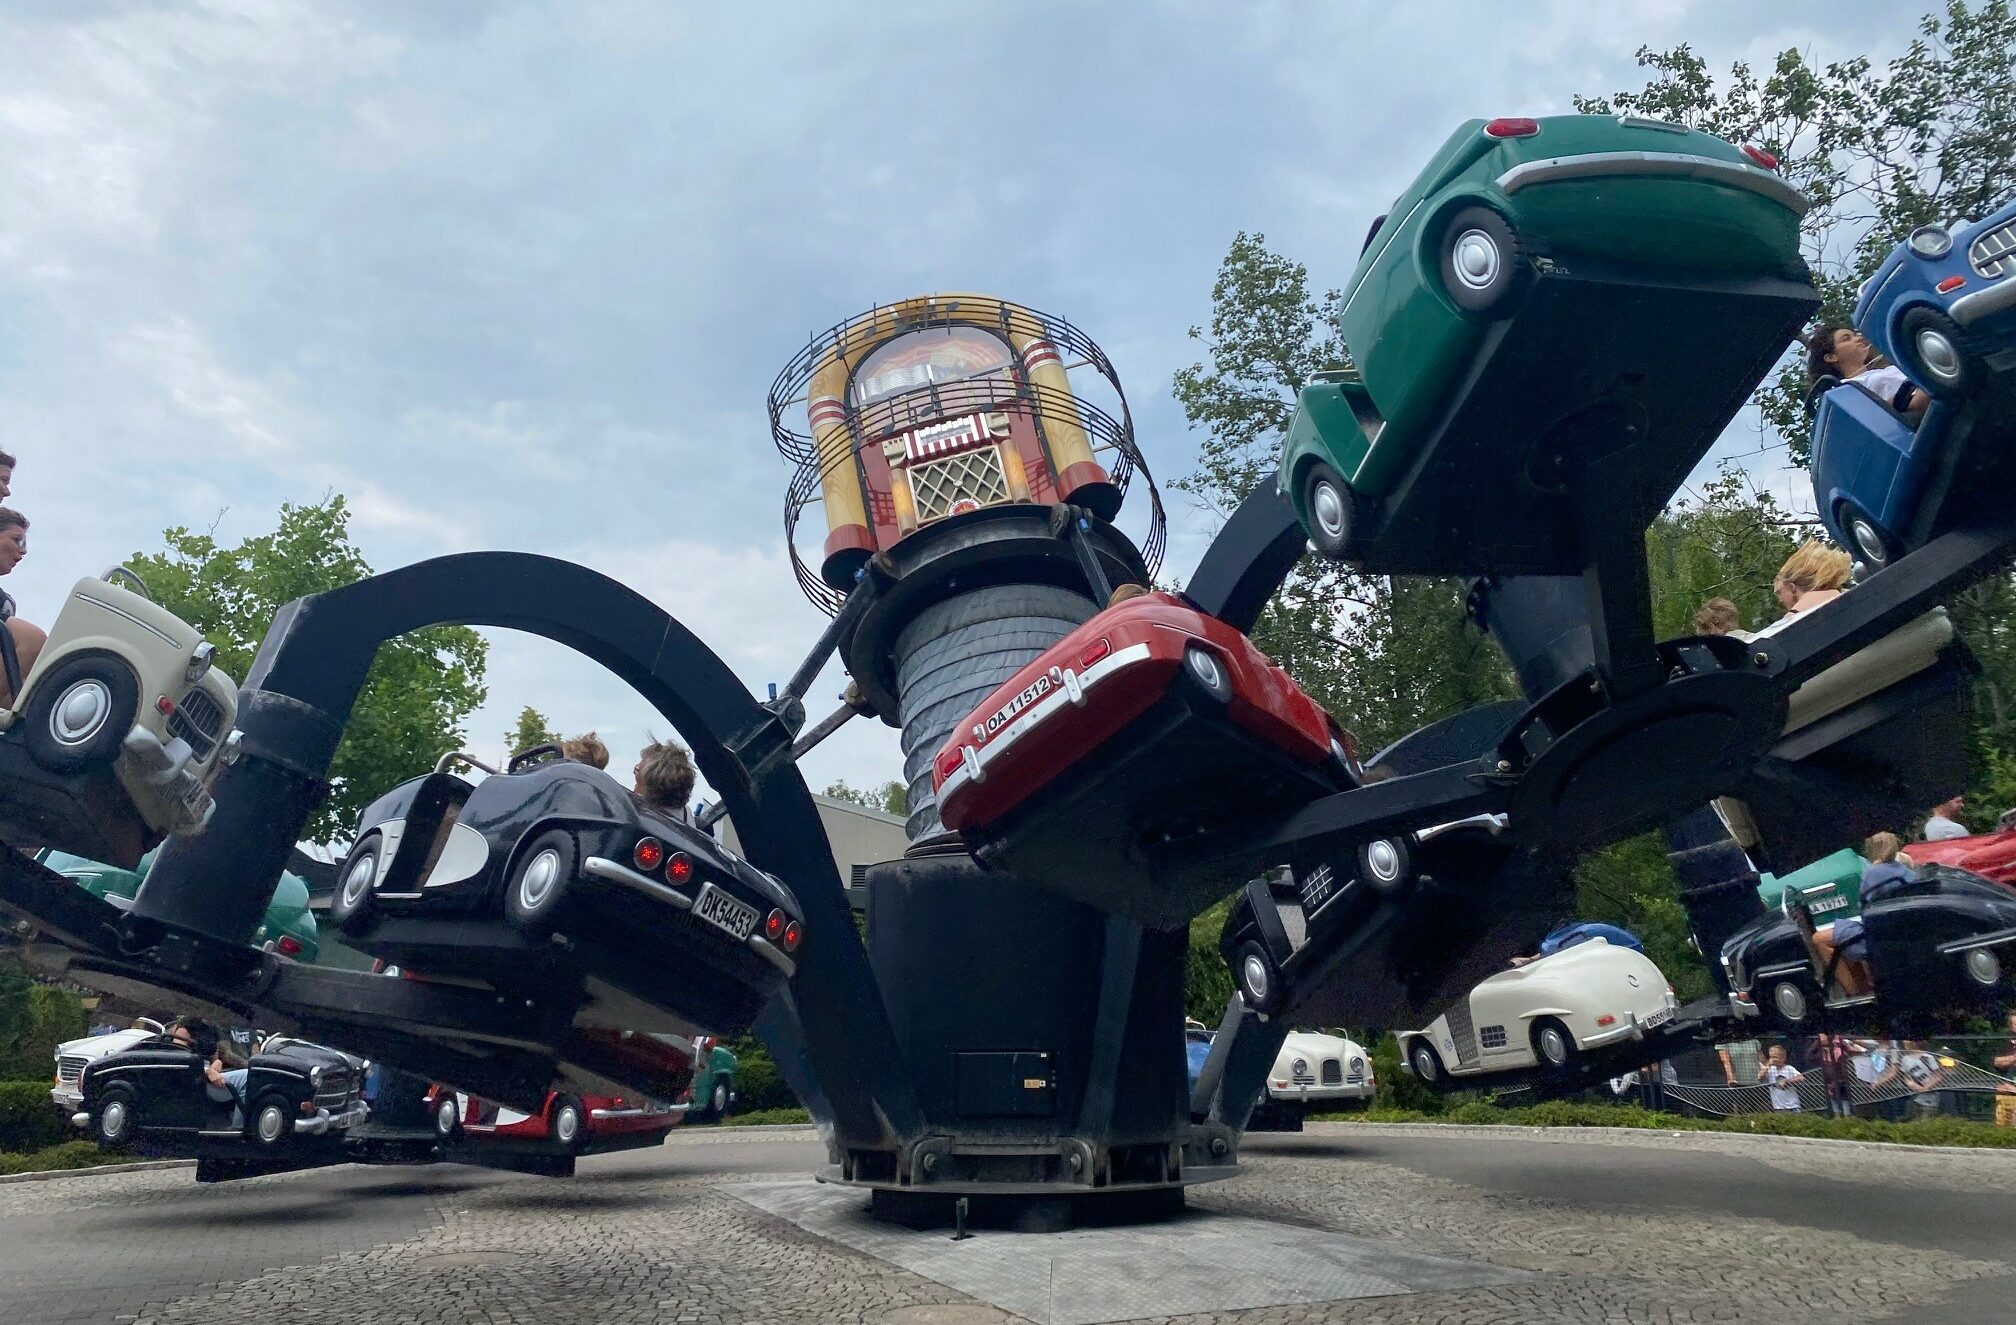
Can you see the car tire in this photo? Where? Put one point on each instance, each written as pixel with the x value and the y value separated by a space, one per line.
pixel 1983 968
pixel 1867 541
pixel 270 1123
pixel 1554 1045
pixel 1330 511
pixel 448 1117
pixel 1484 266
pixel 1208 673
pixel 79 714
pixel 717 1103
pixel 1791 1004
pixel 1258 978
pixel 1386 866
pixel 354 902
pixel 536 890
pixel 1427 1063
pixel 1933 351
pixel 570 1121
pixel 116 1118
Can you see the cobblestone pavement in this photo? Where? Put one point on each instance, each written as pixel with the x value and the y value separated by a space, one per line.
pixel 1620 1229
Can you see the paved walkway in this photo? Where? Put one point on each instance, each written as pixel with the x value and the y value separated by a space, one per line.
pixel 1608 1227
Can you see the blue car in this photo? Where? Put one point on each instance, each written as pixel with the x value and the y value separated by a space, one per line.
pixel 1942 307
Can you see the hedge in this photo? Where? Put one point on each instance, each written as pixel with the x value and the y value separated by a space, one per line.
pixel 769 1118
pixel 69 1155
pixel 1565 1113
pixel 28 1121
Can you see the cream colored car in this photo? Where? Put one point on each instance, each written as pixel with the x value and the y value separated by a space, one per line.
pixel 126 684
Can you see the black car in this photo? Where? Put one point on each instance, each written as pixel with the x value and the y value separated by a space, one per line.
pixel 1942 940
pixel 557 850
pixel 155 1094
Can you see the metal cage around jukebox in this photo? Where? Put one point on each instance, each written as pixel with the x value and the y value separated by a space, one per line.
pixel 923 411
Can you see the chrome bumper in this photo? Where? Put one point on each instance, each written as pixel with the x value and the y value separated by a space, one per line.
pixel 324 1121
pixel 1971 308
pixel 1673 165
pixel 162 776
pixel 80 1119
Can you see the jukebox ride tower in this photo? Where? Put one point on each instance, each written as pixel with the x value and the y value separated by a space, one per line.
pixel 969 456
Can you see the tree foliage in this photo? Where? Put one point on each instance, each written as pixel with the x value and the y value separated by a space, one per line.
pixel 421 686
pixel 891 797
pixel 532 730
pixel 1929 135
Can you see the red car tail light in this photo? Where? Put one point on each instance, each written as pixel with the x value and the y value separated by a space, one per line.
pixel 289 946
pixel 679 869
pixel 1606 1020
pixel 948 763
pixel 1092 653
pixel 1761 157
pixel 773 926
pixel 649 854
pixel 1512 127
pixel 793 932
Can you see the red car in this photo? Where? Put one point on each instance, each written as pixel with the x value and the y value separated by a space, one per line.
pixel 583 1124
pixel 1990 855
pixel 1149 726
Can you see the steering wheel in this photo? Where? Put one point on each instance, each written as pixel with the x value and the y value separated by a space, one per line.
pixel 115 574
pixel 538 754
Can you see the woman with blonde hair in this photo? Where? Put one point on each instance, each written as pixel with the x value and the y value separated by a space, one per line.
pixel 1814 574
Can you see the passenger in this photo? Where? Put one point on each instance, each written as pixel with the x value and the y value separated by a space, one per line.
pixel 664 778
pixel 1582 931
pixel 1813 575
pixel 1783 1079
pixel 1845 353
pixel 586 749
pixel 1125 592
pixel 28 639
pixel 1889 868
pixel 6 475
pixel 1945 823
pixel 1718 616
pixel 1837 968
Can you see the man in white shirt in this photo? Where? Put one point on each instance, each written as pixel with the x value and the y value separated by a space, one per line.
pixel 1944 823
pixel 1843 352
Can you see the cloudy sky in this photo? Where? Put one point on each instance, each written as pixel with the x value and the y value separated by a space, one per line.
pixel 518 275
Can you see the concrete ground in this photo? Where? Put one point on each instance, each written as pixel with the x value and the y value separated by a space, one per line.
pixel 1565 1225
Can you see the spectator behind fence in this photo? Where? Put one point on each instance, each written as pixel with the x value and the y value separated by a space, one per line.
pixel 2005 1091
pixel 1922 1073
pixel 1783 1079
pixel 1743 1062
pixel 1945 824
pixel 1830 1053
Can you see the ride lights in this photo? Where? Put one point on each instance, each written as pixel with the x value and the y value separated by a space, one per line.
pixel 1930 241
pixel 679 869
pixel 1512 127
pixel 649 854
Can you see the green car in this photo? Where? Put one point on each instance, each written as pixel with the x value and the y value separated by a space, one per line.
pixel 714 1070
pixel 1831 886
pixel 1659 211
pixel 289 927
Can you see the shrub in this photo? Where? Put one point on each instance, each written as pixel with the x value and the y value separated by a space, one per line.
pixel 1569 1113
pixel 758 1083
pixel 69 1155
pixel 770 1118
pixel 28 1121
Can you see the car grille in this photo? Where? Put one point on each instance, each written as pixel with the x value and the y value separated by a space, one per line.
pixel 1333 1072
pixel 199 720
pixel 70 1067
pixel 334 1092
pixel 1993 255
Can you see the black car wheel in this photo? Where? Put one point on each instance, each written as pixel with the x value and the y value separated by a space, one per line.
pixel 272 1122
pixel 1259 981
pixel 79 714
pixel 1553 1045
pixel 537 888
pixel 1207 670
pixel 567 1122
pixel 117 1116
pixel 1933 349
pixel 447 1117
pixel 1385 865
pixel 350 906
pixel 1983 967
pixel 1866 539
pixel 1331 510
pixel 1484 266
pixel 1427 1063
pixel 1790 1003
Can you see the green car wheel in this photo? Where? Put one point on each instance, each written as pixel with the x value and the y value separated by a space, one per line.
pixel 1484 266
pixel 1330 510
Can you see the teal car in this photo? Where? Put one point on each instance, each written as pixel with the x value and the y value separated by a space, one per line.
pixel 288 929
pixel 714 1069
pixel 1504 204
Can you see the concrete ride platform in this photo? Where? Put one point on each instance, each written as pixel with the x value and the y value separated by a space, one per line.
pixel 1191 1264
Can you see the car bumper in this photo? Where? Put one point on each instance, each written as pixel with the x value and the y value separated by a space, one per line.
pixel 163 782
pixel 1998 298
pixel 1648 165
pixel 322 1120
pixel 1347 1093
pixel 67 1097
pixel 1632 1028
pixel 614 872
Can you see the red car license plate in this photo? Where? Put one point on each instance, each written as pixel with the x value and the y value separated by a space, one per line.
pixel 718 908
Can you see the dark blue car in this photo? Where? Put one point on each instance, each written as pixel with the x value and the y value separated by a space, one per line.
pixel 1942 307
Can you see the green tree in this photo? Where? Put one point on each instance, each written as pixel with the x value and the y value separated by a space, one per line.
pixel 421 686
pixel 1929 135
pixel 34 1019
pixel 532 730
pixel 890 798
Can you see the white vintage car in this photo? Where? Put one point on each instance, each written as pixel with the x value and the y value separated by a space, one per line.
pixel 73 1056
pixel 1544 1014
pixel 1317 1071
pixel 122 684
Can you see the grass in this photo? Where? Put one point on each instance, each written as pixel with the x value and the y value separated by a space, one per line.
pixel 67 1155
pixel 767 1118
pixel 1562 1113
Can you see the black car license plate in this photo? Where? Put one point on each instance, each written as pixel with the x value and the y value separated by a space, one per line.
pixel 718 908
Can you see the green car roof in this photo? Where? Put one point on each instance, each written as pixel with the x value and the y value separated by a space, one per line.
pixel 286 914
pixel 1843 870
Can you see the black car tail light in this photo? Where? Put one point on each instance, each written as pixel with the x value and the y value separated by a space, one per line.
pixel 679 869
pixel 793 931
pixel 649 854
pixel 773 926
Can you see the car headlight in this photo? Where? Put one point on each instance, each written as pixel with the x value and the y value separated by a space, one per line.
pixel 1930 241
pixel 1301 1066
pixel 314 1076
pixel 199 662
pixel 1357 1065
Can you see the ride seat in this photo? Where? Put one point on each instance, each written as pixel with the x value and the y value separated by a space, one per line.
pixel 436 806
